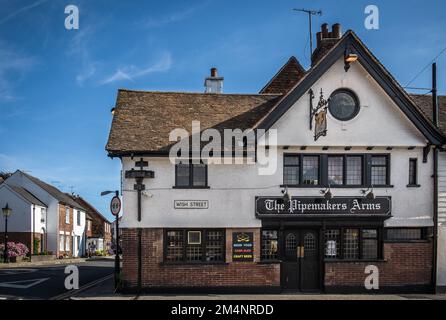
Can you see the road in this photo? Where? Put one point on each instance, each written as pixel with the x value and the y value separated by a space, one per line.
pixel 47 282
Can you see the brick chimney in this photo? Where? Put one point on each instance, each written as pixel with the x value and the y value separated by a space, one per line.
pixel 325 41
pixel 214 83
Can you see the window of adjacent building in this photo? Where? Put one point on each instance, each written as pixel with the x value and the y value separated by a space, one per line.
pixel 42 215
pixel 379 170
pixel 406 234
pixel 67 243
pixel 61 242
pixel 270 245
pixel 78 218
pixel 190 175
pixel 78 242
pixel 195 246
pixel 413 174
pixel 67 215
pixel 88 225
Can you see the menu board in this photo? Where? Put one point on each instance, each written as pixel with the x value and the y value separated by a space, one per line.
pixel 242 246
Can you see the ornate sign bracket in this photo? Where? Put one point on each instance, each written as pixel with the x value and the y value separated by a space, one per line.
pixel 319 114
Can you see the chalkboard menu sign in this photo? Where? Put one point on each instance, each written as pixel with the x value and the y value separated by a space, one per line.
pixel 242 246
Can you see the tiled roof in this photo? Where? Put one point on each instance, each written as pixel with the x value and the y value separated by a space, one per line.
pixel 286 78
pixel 28 196
pixel 424 103
pixel 56 193
pixel 143 119
pixel 91 211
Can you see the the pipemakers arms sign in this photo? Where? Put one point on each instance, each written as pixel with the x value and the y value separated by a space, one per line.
pixel 302 206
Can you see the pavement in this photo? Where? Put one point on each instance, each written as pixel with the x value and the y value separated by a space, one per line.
pixel 105 291
pixel 48 281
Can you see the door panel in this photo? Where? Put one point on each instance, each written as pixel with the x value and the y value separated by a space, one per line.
pixel 300 263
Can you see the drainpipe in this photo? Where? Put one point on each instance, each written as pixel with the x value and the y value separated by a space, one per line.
pixel 33 218
pixel 435 213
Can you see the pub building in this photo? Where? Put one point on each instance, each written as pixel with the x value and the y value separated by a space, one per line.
pixel 353 186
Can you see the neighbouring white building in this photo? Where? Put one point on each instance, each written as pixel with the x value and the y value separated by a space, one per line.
pixel 41 211
pixel 353 184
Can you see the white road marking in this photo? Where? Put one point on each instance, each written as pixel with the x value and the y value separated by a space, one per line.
pixel 4 272
pixel 17 285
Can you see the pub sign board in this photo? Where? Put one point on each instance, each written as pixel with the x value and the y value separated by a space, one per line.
pixel 242 246
pixel 317 206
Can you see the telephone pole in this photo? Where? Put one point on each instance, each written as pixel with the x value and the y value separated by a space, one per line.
pixel 310 13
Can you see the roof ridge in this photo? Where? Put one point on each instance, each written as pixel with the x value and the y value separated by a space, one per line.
pixel 202 93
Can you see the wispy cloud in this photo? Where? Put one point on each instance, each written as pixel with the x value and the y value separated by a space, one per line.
pixel 22 10
pixel 13 66
pixel 154 22
pixel 129 73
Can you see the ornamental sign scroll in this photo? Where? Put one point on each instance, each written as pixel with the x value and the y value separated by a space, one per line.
pixel 319 114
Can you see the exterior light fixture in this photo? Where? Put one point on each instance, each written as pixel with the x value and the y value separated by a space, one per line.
pixel 6 211
pixel 349 57
pixel 368 193
pixel 286 196
pixel 327 193
pixel 113 110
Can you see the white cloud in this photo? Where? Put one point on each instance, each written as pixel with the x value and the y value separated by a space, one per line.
pixel 130 73
pixel 173 17
pixel 21 10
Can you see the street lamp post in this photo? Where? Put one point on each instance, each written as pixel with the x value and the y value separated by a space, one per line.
pixel 6 213
pixel 117 261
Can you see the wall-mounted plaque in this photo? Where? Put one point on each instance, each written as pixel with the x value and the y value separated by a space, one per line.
pixel 304 206
pixel 191 204
pixel 242 246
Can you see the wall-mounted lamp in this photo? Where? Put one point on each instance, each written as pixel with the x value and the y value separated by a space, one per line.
pixel 327 193
pixel 286 196
pixel 368 193
pixel 113 110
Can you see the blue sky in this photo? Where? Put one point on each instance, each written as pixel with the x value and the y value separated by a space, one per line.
pixel 57 86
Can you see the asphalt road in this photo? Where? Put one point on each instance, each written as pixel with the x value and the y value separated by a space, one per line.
pixel 47 282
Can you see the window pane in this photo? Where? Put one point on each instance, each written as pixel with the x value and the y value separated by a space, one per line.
pixel 354 171
pixel 351 244
pixel 332 239
pixel 193 253
pixel 269 245
pixel 310 174
pixel 183 175
pixel 291 175
pixel 291 160
pixel 413 171
pixel 335 170
pixel 174 245
pixel 215 246
pixel 379 160
pixel 379 176
pixel 369 244
pixel 405 234
pixel 199 178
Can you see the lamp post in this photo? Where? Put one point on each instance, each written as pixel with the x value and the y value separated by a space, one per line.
pixel 115 213
pixel 6 213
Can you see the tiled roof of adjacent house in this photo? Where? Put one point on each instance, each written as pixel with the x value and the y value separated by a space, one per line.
pixel 143 119
pixel 286 78
pixel 56 193
pixel 28 196
pixel 91 211
pixel 424 103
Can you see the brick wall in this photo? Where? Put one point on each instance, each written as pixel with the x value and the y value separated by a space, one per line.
pixel 24 237
pixel 405 264
pixel 156 274
pixel 65 227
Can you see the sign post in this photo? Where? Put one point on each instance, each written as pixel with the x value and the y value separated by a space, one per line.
pixel 115 208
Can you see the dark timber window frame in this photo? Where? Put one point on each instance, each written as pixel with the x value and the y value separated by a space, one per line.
pixel 413 173
pixel 366 174
pixel 203 246
pixel 424 235
pixel 191 175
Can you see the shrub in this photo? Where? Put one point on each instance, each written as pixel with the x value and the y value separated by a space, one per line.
pixel 14 249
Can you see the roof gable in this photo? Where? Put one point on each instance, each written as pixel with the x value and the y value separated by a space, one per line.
pixel 374 68
pixel 286 78
pixel 24 194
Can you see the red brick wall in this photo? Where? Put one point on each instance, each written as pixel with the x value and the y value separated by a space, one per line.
pixel 405 264
pixel 155 274
pixel 65 227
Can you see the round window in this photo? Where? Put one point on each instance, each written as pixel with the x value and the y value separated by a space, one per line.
pixel 343 105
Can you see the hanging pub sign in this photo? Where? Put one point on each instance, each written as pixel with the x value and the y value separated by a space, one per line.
pixel 319 114
pixel 303 206
pixel 242 246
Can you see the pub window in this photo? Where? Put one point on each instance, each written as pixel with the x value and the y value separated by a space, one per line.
pixel 291 165
pixel 406 234
pixel 190 175
pixel 194 246
pixel 351 244
pixel 413 174
pixel 335 170
pixel 379 170
pixel 369 244
pixel 344 170
pixel 310 170
pixel 354 170
pixel 332 243
pixel 270 244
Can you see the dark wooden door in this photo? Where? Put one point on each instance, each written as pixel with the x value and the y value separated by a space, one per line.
pixel 300 263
